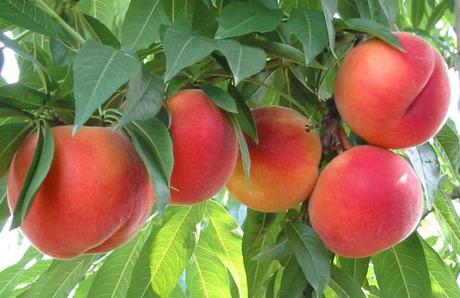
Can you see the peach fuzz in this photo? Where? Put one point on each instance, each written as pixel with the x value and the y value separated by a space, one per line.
pixel 391 98
pixel 205 147
pixel 284 165
pixel 96 196
pixel 366 200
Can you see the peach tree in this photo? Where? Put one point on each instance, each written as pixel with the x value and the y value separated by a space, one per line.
pixel 291 148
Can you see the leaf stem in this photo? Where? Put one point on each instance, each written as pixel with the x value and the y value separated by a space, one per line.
pixel 60 21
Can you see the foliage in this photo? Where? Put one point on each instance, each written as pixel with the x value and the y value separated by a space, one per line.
pixel 113 63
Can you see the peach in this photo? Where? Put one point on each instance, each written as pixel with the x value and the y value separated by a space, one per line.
pixel 96 196
pixel 205 147
pixel 284 165
pixel 366 200
pixel 391 98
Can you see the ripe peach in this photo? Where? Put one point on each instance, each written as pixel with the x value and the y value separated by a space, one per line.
pixel 391 98
pixel 97 194
pixel 284 165
pixel 205 147
pixel 366 200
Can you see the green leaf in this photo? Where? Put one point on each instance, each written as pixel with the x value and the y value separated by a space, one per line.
pixel 426 165
pixel 356 268
pixel 114 276
pixel 41 163
pixel 60 279
pixel 240 18
pixel 206 276
pixel 244 116
pixel 343 285
pixel 20 51
pixel 145 97
pixel 142 24
pixel 223 237
pixel 293 282
pixel 382 11
pixel 11 136
pixel 173 246
pixel 21 97
pixel 437 13
pixel 154 145
pixel 443 281
pixel 179 10
pixel 183 48
pixel 100 32
pixel 282 249
pixel 25 14
pixel 98 71
pixel 139 285
pixel 61 55
pixel 370 27
pixel 309 26
pixel 402 270
pixel 417 11
pixel 449 139
pixel 448 219
pixel 102 10
pixel 244 61
pixel 260 231
pixel 244 149
pixel 311 254
pixel 221 98
pixel 329 9
pixel 27 278
pixel 10 276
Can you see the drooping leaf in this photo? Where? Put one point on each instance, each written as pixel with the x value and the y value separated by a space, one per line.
pixel 443 281
pixel 154 145
pixel 11 136
pixel 98 71
pixel 206 275
pixel 329 9
pixel 102 10
pixel 244 116
pixel 382 11
pixel 343 284
pixel 183 48
pixel 426 165
pixel 220 98
pixel 21 97
pixel 437 14
pixel 142 24
pixel 260 231
pixel 417 12
pixel 244 61
pixel 402 270
pixel 19 50
pixel 114 276
pixel 36 174
pixel 448 219
pixel 223 237
pixel 173 246
pixel 293 283
pixel 311 254
pixel 356 268
pixel 370 27
pixel 25 14
pixel 144 98
pixel 100 32
pixel 310 28
pixel 244 149
pixel 240 18
pixel 449 139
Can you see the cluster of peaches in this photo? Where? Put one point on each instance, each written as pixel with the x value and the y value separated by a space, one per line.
pixel 98 194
